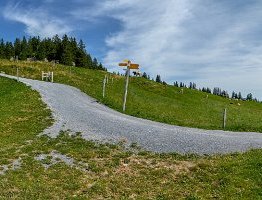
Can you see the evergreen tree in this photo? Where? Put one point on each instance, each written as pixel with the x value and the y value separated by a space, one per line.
pixel 23 53
pixel 144 75
pixel 194 86
pixel 233 95
pixel 56 48
pixel 158 79
pixel 240 96
pixel 17 46
pixel 67 56
pixel 9 50
pixel 95 63
pixel 2 49
pixel 33 44
pixel 41 52
pixel 65 51
pixel 249 97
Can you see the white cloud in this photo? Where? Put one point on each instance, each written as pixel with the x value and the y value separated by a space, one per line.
pixel 38 21
pixel 210 42
pixel 213 43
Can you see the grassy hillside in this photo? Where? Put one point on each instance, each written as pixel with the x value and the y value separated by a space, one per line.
pixel 19 106
pixel 69 167
pixel 150 100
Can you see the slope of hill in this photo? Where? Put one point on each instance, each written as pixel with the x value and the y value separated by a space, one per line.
pixel 75 111
pixel 68 167
pixel 150 100
pixel 23 116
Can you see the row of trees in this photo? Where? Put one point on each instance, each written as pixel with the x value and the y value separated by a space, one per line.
pixel 65 50
pixel 216 91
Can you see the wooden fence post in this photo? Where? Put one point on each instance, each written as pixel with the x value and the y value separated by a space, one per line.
pixel 17 74
pixel 104 87
pixel 52 77
pixel 225 118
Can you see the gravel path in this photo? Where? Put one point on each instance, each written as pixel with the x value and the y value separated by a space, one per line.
pixel 75 111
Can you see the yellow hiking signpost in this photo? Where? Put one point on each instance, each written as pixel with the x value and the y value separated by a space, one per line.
pixel 129 66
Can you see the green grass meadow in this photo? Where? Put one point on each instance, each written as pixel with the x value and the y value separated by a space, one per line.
pixel 150 100
pixel 105 171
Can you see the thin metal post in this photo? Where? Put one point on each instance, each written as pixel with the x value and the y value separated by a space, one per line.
pixel 17 74
pixel 126 87
pixel 225 118
pixel 104 87
pixel 52 77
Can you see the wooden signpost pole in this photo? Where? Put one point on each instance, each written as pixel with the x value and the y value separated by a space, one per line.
pixel 129 66
pixel 126 87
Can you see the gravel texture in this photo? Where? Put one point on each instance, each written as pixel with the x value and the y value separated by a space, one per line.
pixel 54 157
pixel 14 165
pixel 75 111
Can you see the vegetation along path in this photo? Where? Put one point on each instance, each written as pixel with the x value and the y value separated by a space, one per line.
pixel 77 112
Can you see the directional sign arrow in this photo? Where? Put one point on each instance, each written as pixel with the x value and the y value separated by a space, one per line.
pixel 134 66
pixel 122 64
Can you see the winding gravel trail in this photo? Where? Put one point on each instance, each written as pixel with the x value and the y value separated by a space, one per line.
pixel 75 111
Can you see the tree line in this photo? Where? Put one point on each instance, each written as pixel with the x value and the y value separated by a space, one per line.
pixel 65 50
pixel 216 91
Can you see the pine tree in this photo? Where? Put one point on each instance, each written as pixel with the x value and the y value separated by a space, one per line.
pixel 144 75
pixel 194 86
pixel 17 46
pixel 240 96
pixel 9 50
pixel 95 63
pixel 33 44
pixel 56 48
pixel 190 85
pixel 233 95
pixel 24 50
pixel 249 97
pixel 65 51
pixel 41 51
pixel 2 49
pixel 158 79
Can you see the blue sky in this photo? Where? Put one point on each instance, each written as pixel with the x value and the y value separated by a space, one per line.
pixel 215 43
